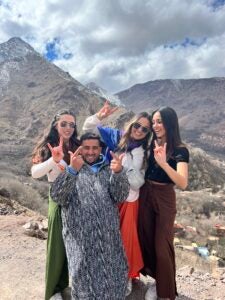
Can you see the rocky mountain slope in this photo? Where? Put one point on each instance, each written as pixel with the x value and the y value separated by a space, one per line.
pixel 200 105
pixel 32 90
pixel 92 86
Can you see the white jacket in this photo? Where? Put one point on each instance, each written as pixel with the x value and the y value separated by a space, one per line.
pixel 132 161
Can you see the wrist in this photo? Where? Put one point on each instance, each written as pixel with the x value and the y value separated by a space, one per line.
pixel 165 166
pixel 70 169
pixel 61 167
pixel 99 116
pixel 119 170
pixel 56 161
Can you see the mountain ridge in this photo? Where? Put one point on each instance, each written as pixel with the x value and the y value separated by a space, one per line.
pixel 199 103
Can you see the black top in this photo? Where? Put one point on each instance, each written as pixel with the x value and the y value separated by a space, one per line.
pixel 156 173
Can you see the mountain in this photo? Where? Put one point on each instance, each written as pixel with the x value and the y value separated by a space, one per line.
pixel 32 90
pixel 199 103
pixel 93 87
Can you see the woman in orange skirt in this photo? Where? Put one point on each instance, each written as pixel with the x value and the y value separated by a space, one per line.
pixel 133 142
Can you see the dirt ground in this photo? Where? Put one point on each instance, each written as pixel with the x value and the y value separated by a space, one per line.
pixel 22 265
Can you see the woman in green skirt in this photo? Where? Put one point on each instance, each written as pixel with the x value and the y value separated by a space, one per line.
pixel 50 157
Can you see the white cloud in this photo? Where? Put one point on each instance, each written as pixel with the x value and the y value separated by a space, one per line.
pixel 120 43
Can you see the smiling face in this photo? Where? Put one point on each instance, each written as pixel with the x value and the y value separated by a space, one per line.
pixel 140 129
pixel 65 126
pixel 91 150
pixel 158 127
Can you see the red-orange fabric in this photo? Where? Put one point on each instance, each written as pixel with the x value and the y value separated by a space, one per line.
pixel 128 227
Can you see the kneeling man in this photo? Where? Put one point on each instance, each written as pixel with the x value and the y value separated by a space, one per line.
pixel 88 192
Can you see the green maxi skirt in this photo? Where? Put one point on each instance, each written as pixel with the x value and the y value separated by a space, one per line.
pixel 56 276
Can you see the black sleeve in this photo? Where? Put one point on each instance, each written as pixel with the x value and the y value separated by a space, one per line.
pixel 182 155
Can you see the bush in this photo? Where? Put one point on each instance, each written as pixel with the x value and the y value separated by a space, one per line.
pixel 24 194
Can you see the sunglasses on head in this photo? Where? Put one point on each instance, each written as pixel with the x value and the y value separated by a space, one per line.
pixel 143 129
pixel 64 124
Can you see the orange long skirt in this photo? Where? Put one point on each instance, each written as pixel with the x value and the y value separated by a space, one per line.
pixel 128 227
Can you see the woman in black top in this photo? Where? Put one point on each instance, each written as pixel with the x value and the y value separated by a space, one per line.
pixel 167 166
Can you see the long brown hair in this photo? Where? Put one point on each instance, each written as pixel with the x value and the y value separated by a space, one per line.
pixel 126 138
pixel 41 152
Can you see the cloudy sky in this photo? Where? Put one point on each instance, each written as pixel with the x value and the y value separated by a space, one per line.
pixel 118 43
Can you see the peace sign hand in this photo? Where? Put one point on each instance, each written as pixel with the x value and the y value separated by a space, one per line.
pixel 106 111
pixel 76 160
pixel 116 162
pixel 160 154
pixel 57 152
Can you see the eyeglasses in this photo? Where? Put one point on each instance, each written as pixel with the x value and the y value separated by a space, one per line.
pixel 143 129
pixel 63 124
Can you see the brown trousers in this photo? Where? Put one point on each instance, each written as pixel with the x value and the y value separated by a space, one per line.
pixel 157 211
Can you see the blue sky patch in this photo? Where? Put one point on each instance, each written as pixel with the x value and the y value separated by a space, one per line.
pixel 216 4
pixel 186 43
pixel 54 52
pixel 4 4
pixel 67 56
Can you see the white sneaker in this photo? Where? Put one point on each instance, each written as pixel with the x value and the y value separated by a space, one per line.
pixel 129 287
pixel 151 293
pixel 57 296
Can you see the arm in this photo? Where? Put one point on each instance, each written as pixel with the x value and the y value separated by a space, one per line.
pixel 119 186
pixel 42 169
pixel 110 136
pixel 53 166
pixel 91 124
pixel 178 176
pixel 133 164
pixel 63 187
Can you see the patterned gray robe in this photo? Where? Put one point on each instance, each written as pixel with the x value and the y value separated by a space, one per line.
pixel 97 263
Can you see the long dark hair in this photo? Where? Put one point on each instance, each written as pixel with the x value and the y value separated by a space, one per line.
pixel 171 125
pixel 125 139
pixel 41 152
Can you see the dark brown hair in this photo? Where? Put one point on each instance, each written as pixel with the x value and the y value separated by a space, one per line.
pixel 171 125
pixel 41 152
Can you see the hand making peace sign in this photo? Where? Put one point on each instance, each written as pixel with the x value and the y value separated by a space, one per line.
pixel 116 162
pixel 57 152
pixel 160 154
pixel 106 111
pixel 76 160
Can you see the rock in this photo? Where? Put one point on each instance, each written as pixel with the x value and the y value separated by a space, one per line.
pixel 35 229
pixel 176 241
pixel 32 225
pixel 187 247
pixel 212 240
pixel 36 233
pixel 4 192
pixel 44 225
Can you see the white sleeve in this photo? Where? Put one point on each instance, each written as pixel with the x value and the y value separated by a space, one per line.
pixel 133 164
pixel 49 168
pixel 91 123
